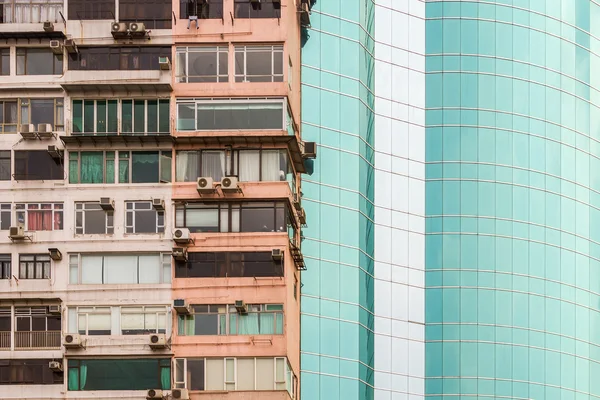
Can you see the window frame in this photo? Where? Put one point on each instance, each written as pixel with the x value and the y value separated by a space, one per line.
pixel 258 13
pixel 144 312
pixel 165 158
pixel 23 159
pixel 92 310
pixel 109 228
pixel 182 72
pixel 159 228
pixel 5 173
pixel 58 62
pixel 43 259
pixel 17 368
pixel 5 214
pixel 76 267
pixel 110 58
pixel 276 50
pixel 233 102
pixel 22 216
pixel 87 15
pixel 5 266
pixel 74 163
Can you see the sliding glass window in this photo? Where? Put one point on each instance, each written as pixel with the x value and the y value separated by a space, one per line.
pixel 201 115
pixel 119 374
pixel 118 58
pixel 202 64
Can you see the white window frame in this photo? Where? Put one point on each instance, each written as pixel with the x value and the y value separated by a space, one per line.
pixel 184 76
pixel 95 310
pixel 75 267
pixel 225 381
pixel 6 210
pixel 144 312
pixel 159 228
pixel 109 229
pixel 23 213
pixel 262 100
pixel 276 50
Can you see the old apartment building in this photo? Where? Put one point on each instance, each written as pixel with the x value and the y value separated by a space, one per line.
pixel 150 202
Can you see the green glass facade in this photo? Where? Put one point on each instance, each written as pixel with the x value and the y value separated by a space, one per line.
pixel 337 289
pixel 513 199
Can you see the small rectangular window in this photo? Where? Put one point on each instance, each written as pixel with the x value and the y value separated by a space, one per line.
pixel 203 9
pixel 29 372
pixel 89 10
pixel 34 266
pixel 144 166
pixel 259 63
pixel 90 218
pixel 252 9
pixel 5 61
pixel 202 64
pixel 119 269
pixel 143 320
pixel 93 320
pixel 38 61
pixel 92 167
pixel 141 217
pixel 5 216
pixel 129 58
pixel 119 374
pixel 5 266
pixel 4 165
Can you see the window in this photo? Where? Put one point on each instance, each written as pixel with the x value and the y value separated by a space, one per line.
pixel 235 374
pixel 38 61
pixel 254 165
pixel 5 324
pixel 91 320
pixel 9 115
pixel 34 266
pixel 143 320
pixel 35 165
pixel 261 319
pixel 90 218
pixel 228 264
pixel 5 216
pixel 5 271
pixel 31 111
pixel 223 217
pixel 113 117
pixel 144 166
pixel 262 9
pixel 97 9
pixel 28 372
pixel 203 9
pixel 202 64
pixel 40 216
pixel 202 115
pixel 119 268
pixel 119 374
pixel 259 63
pixel 4 165
pixel 155 14
pixel 5 61
pixel 31 11
pixel 92 167
pixel 141 217
pixel 118 58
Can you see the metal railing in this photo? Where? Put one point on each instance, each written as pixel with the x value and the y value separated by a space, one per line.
pixel 5 340
pixel 37 340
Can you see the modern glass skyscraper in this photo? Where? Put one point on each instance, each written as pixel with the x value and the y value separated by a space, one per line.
pixel 486 197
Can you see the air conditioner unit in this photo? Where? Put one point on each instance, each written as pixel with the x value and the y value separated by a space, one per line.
pixel 241 307
pixel 229 184
pixel 277 254
pixel 181 235
pixel 27 131
pixel 179 254
pixel 310 150
pixel 181 307
pixel 72 341
pixel 205 184
pixel 55 366
pixel 16 232
pixel 56 47
pixel 164 63
pixel 48 26
pixel 137 29
pixel 45 131
pixel 107 203
pixel 54 152
pixel 70 46
pixel 118 29
pixel 302 216
pixel 158 204
pixel 154 394
pixel 158 341
pixel 54 309
pixel 180 394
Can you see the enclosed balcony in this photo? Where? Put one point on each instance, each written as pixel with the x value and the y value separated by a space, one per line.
pixel 31 19
pixel 37 340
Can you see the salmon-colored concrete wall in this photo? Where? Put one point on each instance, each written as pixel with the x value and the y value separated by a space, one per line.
pixel 254 395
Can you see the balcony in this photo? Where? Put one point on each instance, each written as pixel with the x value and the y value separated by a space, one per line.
pixel 118 82
pixel 26 18
pixel 43 340
pixel 5 340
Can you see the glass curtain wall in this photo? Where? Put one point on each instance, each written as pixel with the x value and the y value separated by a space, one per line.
pixel 512 200
pixel 337 322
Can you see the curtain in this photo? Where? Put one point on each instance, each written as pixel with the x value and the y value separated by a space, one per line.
pixel 270 169
pixel 267 323
pixel 39 220
pixel 73 379
pixel 165 377
pixel 249 166
pixel 82 375
pixel 213 164
pixel 248 324
pixel 186 163
pixel 92 167
pixel 181 325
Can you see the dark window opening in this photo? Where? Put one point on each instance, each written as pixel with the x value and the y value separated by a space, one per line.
pixel 228 264
pixel 155 14
pixel 5 165
pixel 207 9
pixel 118 58
pixel 38 61
pixel 32 165
pixel 97 9
pixel 252 9
pixel 28 372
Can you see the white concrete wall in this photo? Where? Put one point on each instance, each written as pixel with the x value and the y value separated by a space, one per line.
pixel 399 199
